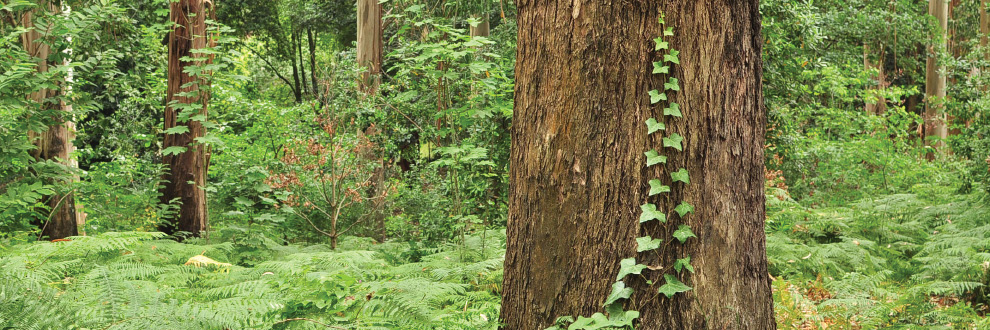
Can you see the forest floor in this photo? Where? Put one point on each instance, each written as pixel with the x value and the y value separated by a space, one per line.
pixel 909 260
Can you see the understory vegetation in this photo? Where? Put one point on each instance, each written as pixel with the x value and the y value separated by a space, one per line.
pixel 339 201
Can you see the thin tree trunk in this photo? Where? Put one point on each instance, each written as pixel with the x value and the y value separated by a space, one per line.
pixel 186 174
pixel 55 143
pixel 312 62
pixel 879 105
pixel 297 92
pixel 369 43
pixel 483 29
pixel 984 25
pixel 302 63
pixel 935 123
pixel 578 174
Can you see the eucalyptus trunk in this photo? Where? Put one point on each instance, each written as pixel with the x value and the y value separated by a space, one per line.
pixel 369 43
pixel 578 174
pixel 187 101
pixel 935 129
pixel 54 143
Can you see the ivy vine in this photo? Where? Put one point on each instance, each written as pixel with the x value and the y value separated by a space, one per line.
pixel 617 316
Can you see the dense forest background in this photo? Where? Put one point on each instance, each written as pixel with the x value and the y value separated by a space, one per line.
pixel 313 164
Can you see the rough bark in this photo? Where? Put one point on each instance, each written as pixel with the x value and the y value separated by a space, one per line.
pixel 935 122
pixel 578 172
pixel 55 143
pixel 186 171
pixel 369 43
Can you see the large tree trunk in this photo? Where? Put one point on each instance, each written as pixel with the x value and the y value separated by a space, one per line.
pixel 186 174
pixel 578 174
pixel 369 43
pixel 55 143
pixel 935 123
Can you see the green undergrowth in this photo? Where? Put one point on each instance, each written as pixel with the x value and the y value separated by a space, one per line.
pixel 136 280
pixel 912 260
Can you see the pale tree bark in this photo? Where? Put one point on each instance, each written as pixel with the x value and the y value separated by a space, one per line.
pixel 186 171
pixel 578 174
pixel 879 105
pixel 55 143
pixel 483 28
pixel 369 43
pixel 984 23
pixel 935 82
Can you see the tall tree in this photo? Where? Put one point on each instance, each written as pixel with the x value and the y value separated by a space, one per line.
pixel 186 110
pixel 55 143
pixel 369 43
pixel 576 187
pixel 935 128
pixel 878 104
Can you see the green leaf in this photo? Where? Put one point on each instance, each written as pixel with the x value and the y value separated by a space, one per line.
pixel 668 32
pixel 673 110
pixel 647 243
pixel 672 85
pixel 629 266
pixel 656 96
pixel 673 286
pixel 661 44
pixel 683 263
pixel 652 125
pixel 173 151
pixel 684 208
pixel 683 232
pixel 674 141
pixel 650 213
pixel 177 130
pixel 653 157
pixel 657 187
pixel 658 67
pixel 619 291
pixel 672 57
pixel 681 175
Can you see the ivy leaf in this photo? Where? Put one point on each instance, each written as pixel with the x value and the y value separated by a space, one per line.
pixel 647 243
pixel 657 96
pixel 681 175
pixel 684 208
pixel 672 57
pixel 175 150
pixel 650 213
pixel 177 130
pixel 683 232
pixel 673 110
pixel 660 43
pixel 668 32
pixel 657 187
pixel 673 286
pixel 672 85
pixel 683 263
pixel 652 125
pixel 653 157
pixel 658 67
pixel 674 141
pixel 629 266
pixel 619 291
